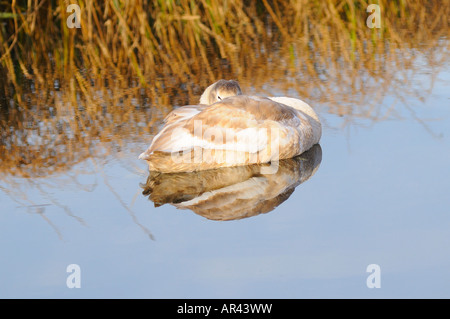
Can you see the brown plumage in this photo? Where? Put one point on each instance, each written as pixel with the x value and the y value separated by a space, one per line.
pixel 235 130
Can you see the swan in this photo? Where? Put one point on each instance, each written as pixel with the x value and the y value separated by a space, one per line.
pixel 229 128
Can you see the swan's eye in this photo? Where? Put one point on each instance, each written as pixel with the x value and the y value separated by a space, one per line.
pixel 219 98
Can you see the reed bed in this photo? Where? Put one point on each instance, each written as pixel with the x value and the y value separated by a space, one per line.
pixel 67 95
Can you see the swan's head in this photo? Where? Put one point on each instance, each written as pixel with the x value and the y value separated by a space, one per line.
pixel 220 90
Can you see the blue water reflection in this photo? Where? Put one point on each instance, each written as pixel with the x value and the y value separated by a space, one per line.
pixel 380 197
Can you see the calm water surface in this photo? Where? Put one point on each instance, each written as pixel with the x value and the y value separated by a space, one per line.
pixel 378 194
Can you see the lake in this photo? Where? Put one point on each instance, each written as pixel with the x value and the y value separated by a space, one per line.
pixel 375 192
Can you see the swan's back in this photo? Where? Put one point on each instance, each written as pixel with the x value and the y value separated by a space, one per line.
pixel 305 109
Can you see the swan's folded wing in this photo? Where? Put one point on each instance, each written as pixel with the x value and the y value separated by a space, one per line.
pixel 238 123
pixel 183 113
pixel 224 125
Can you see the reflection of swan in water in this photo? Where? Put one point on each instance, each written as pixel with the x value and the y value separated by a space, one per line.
pixel 233 192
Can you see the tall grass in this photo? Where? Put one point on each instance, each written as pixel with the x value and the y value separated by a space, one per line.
pixel 70 94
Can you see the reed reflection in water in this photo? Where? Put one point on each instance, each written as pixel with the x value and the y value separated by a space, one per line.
pixel 69 95
pixel 232 193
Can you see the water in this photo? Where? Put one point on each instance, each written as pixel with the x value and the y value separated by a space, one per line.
pixel 379 194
